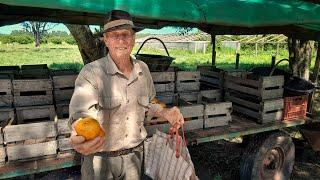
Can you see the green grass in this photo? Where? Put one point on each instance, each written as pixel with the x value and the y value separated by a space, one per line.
pixel 66 56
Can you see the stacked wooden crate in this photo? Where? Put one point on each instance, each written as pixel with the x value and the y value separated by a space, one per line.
pixel 63 84
pixel 258 97
pixel 6 100
pixel 188 87
pixel 211 78
pixel 164 83
pixel 63 138
pixel 33 95
pixel 2 149
pixel 30 141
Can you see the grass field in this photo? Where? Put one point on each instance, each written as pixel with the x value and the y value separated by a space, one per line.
pixel 66 56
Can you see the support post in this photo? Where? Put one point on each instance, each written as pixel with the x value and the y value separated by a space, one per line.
pixel 316 68
pixel 273 61
pixel 213 41
pixel 237 60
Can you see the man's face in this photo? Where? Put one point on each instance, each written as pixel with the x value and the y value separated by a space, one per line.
pixel 119 42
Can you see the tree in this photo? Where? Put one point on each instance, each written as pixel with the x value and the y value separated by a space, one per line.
pixel 300 53
pixel 38 29
pixel 89 44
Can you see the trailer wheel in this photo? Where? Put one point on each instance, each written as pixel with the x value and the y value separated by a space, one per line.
pixel 268 157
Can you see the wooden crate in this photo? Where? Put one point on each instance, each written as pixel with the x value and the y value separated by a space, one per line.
pixel 6 98
pixel 6 114
pixel 62 109
pixel 217 114
pixel 35 71
pixel 262 88
pixel 2 149
pixel 170 99
pixel 25 141
pixel 211 96
pixel 63 86
pixel 193 115
pixel 63 135
pixel 31 92
pixel 163 81
pixel 210 78
pixel 188 98
pixel 188 81
pixel 11 71
pixel 262 111
pixel 35 113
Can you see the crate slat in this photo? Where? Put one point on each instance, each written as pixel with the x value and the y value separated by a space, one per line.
pixel 6 100
pixel 187 76
pixel 6 114
pixel 64 144
pixel 63 127
pixel 63 95
pixel 168 87
pixel 188 86
pixel 22 132
pixel 62 109
pixel 6 85
pixel 192 110
pixel 163 76
pixel 64 81
pixel 33 100
pixel 217 108
pixel 2 154
pixel 24 85
pixel 211 95
pixel 193 97
pixel 217 121
pixel 21 151
pixel 35 112
pixel 167 98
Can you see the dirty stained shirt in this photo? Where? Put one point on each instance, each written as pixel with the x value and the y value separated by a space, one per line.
pixel 119 104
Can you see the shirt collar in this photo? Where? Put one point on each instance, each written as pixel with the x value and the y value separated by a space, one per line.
pixel 113 69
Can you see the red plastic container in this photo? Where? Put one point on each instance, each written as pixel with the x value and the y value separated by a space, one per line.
pixel 295 107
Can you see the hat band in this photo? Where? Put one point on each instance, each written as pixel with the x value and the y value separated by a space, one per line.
pixel 116 23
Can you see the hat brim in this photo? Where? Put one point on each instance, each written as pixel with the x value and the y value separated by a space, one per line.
pixel 124 26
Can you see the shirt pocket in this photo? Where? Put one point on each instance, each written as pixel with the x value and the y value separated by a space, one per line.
pixel 142 107
pixel 108 106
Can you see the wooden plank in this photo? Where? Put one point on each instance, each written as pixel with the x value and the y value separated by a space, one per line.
pixel 192 110
pixel 35 74
pixel 1 136
pixel 168 87
pixel 2 154
pixel 243 102
pixel 6 114
pixel 62 109
pixel 217 121
pixel 270 117
pixel 6 100
pixel 33 100
pixel 62 95
pixel 211 93
pixel 241 88
pixel 32 150
pixel 63 127
pixel 6 85
pixel 188 86
pixel 22 132
pixel 64 81
pixel 217 108
pixel 64 144
pixel 23 85
pixel 244 81
pixel 190 96
pixel 270 105
pixel 272 81
pixel 163 76
pixel 271 94
pixel 246 111
pixel 211 80
pixel 35 112
pixel 188 75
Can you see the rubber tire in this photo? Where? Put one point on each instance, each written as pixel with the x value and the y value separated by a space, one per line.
pixel 252 158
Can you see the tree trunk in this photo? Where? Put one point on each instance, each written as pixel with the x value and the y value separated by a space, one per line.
pixel 37 39
pixel 300 53
pixel 90 47
pixel 316 65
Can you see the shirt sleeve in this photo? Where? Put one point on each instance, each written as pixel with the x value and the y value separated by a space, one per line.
pixel 85 96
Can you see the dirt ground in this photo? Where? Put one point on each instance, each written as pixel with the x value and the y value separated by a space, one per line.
pixel 219 160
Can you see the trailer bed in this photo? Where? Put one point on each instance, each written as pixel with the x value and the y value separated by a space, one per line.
pixel 238 127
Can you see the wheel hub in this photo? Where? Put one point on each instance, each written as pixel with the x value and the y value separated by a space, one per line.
pixel 272 163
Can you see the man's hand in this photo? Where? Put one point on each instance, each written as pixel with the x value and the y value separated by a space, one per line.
pixel 86 147
pixel 174 116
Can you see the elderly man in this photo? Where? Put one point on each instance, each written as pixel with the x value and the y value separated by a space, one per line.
pixel 117 91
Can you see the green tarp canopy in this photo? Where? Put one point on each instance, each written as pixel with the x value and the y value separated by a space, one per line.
pixel 301 17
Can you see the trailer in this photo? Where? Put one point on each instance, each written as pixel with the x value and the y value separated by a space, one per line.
pixel 270 150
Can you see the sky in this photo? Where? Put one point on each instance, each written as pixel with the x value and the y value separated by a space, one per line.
pixel 62 27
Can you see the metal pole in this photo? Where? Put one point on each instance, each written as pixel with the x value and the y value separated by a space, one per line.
pixel 213 41
pixel 273 61
pixel 237 60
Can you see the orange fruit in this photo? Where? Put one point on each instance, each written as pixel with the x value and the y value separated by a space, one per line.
pixel 89 128
pixel 156 101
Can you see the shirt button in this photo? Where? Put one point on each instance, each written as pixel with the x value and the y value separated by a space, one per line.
pixel 127 101
pixel 126 135
pixel 127 118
